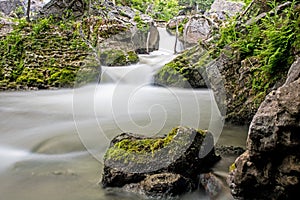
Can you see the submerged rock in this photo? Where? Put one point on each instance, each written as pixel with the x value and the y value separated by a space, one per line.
pixel 212 185
pixel 150 166
pixel 161 185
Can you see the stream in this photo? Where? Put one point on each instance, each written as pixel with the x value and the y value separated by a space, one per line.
pixel 52 142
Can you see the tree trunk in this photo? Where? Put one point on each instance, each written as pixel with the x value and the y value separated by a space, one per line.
pixel 28 11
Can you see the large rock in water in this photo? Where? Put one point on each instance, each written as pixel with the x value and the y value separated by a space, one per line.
pixel 161 166
pixel 270 167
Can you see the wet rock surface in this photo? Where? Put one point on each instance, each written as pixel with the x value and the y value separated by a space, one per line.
pixel 240 82
pixel 161 185
pixel 168 167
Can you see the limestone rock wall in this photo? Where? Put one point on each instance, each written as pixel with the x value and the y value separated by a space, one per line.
pixel 270 167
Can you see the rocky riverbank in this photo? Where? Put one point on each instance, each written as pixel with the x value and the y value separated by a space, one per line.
pixel 55 51
pixel 250 61
pixel 270 167
pixel 246 55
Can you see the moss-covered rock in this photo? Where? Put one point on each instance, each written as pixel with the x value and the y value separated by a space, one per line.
pixel 118 58
pixel 186 70
pixel 49 54
pixel 184 151
pixel 41 55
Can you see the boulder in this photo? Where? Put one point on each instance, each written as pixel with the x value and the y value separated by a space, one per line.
pixel 150 166
pixel 182 71
pixel 145 41
pixel 229 7
pixel 18 8
pixel 9 6
pixel 270 166
pixel 176 21
pixel 199 27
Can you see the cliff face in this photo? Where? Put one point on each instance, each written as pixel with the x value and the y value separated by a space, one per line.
pixel 270 167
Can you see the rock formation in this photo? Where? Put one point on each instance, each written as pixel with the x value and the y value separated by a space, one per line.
pixel 229 7
pixel 270 167
pixel 9 6
pixel 63 51
pixel 159 167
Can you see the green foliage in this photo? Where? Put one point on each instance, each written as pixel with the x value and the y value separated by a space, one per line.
pixel 202 4
pixel 271 40
pixel 19 11
pixel 161 9
pixel 165 10
pixel 41 25
pixel 141 25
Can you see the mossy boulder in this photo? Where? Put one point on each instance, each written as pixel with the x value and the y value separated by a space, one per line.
pixel 131 159
pixel 185 71
pixel 118 58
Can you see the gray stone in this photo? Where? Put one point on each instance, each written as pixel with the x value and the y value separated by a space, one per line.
pixel 212 185
pixel 294 71
pixel 198 27
pixel 162 185
pixel 9 6
pixel 229 7
pixel 269 168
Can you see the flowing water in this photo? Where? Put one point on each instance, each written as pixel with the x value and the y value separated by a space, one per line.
pixel 52 142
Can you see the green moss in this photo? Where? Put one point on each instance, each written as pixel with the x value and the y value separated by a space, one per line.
pixel 132 57
pixel 45 53
pixel 118 57
pixel 181 70
pixel 232 167
pixel 129 148
pixel 139 150
pixel 141 25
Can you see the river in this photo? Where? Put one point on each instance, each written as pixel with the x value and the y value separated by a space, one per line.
pixel 52 141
